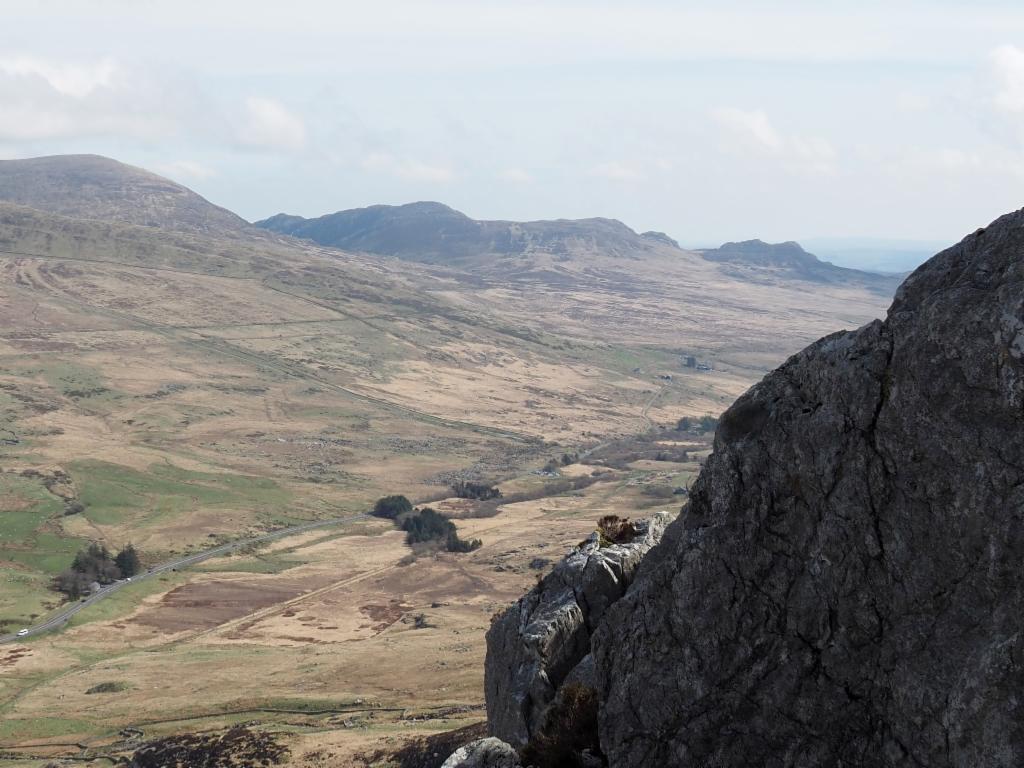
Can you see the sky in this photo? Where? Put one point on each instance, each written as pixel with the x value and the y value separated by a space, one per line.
pixel 710 121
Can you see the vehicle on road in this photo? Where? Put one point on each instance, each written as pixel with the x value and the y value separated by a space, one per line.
pixel 22 632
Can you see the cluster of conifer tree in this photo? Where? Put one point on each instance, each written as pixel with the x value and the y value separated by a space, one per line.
pixel 95 565
pixel 423 525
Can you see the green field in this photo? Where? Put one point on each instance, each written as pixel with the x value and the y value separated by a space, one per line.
pixel 116 495
pixel 34 545
pixel 32 548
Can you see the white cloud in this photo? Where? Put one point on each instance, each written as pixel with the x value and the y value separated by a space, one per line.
pixel 1007 64
pixel 55 99
pixel 949 159
pixel 416 80
pixel 404 168
pixel 813 153
pixel 52 99
pixel 185 169
pixel 27 122
pixel 615 171
pixel 753 127
pixel 515 175
pixel 752 132
pixel 269 125
pixel 77 80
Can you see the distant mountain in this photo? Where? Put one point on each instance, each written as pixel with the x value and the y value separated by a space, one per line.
pixel 660 237
pixel 761 254
pixel 587 279
pixel 434 233
pixel 95 187
pixel 749 256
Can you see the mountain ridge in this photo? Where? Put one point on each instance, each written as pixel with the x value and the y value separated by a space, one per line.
pixel 792 259
pixel 436 233
pixel 100 188
pixel 433 232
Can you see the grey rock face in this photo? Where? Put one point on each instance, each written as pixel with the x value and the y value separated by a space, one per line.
pixel 484 753
pixel 846 586
pixel 534 646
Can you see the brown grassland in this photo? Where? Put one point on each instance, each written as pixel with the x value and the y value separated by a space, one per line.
pixel 188 390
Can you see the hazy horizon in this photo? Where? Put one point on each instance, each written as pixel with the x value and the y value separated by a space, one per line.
pixel 812 121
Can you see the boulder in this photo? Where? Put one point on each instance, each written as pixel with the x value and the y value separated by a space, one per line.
pixel 534 645
pixel 845 587
pixel 484 753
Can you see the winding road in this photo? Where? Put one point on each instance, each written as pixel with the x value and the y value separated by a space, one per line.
pixel 63 615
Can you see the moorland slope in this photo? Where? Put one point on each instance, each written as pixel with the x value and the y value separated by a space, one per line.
pixel 96 187
pixel 174 378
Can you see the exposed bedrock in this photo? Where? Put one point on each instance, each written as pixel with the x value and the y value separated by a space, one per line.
pixel 535 645
pixel 846 586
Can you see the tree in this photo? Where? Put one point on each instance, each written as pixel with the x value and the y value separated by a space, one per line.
pixel 706 423
pixel 454 544
pixel 391 507
pixel 429 525
pixel 92 564
pixel 467 489
pixel 127 561
pixel 71 583
pixel 425 525
pixel 87 560
pixel 96 563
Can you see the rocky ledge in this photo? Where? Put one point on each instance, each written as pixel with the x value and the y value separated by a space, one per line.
pixel 543 640
pixel 845 586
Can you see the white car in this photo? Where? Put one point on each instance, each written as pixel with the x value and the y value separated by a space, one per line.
pixel 22 632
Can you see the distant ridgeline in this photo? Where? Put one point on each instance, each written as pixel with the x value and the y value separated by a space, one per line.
pixel 740 258
pixel 95 187
pixel 434 233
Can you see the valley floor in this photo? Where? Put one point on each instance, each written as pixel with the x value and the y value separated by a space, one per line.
pixel 339 640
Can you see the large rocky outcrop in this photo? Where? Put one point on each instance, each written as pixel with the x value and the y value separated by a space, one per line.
pixel 540 641
pixel 846 586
